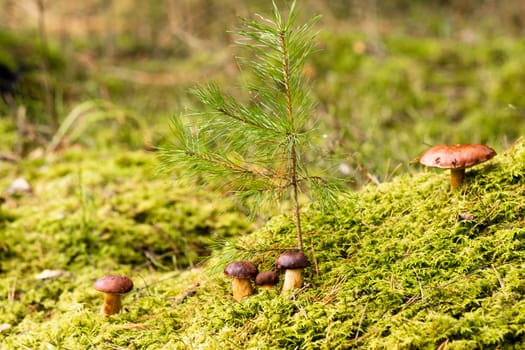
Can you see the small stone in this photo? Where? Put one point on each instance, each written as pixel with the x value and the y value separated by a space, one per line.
pixel 47 274
pixel 465 216
pixel 345 169
pixel 19 186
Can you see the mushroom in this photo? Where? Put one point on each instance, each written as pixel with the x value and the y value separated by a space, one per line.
pixel 293 263
pixel 113 286
pixel 241 272
pixel 266 279
pixel 456 158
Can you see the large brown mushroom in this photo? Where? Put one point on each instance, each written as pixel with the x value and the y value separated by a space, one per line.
pixel 241 272
pixel 113 286
pixel 293 263
pixel 456 158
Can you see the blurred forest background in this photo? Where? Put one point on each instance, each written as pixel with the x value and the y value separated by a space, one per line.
pixel 390 77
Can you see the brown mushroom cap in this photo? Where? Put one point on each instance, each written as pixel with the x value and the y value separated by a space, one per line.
pixel 115 284
pixel 292 260
pixel 456 156
pixel 267 278
pixel 241 269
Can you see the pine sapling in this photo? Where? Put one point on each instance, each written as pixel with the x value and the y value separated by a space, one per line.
pixel 257 149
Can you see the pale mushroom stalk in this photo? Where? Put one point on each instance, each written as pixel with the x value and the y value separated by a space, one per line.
pixel 293 278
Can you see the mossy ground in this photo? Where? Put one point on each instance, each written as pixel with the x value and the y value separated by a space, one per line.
pixel 395 267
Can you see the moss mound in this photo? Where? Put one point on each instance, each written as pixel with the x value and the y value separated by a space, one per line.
pixel 397 266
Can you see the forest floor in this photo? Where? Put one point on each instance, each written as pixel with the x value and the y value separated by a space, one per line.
pixel 394 266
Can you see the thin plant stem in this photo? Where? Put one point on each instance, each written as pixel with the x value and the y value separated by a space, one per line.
pixel 361 319
pixel 291 135
pixel 42 30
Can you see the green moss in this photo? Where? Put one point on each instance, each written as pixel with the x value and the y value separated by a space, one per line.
pixel 120 210
pixel 90 214
pixel 397 270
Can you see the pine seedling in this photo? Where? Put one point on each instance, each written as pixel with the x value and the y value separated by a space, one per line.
pixel 256 149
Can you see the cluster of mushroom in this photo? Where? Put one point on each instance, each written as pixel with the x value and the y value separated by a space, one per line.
pixel 243 272
pixel 456 158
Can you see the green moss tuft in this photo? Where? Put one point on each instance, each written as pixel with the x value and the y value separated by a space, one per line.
pixel 394 266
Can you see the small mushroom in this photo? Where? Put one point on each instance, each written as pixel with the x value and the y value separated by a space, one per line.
pixel 266 279
pixel 113 286
pixel 241 272
pixel 293 263
pixel 456 158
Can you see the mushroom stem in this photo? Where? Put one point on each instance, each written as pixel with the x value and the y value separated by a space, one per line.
pixel 112 304
pixel 456 177
pixel 266 286
pixel 241 288
pixel 293 278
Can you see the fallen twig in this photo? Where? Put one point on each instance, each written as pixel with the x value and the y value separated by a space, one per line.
pixel 10 158
pixel 500 280
pixel 361 319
